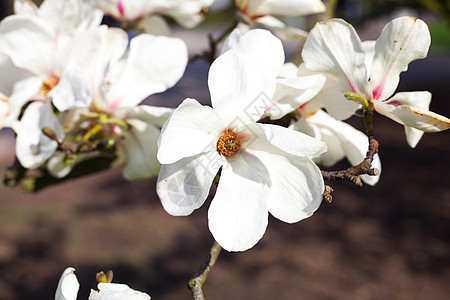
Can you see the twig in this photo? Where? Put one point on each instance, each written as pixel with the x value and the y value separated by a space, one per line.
pixel 365 167
pixel 210 54
pixel 196 282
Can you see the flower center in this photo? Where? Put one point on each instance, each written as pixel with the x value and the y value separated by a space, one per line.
pixel 48 84
pixel 228 144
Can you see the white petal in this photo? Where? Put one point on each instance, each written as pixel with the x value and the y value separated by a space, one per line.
pixel 190 130
pixel 420 100
pixel 413 136
pixel 68 286
pixel 20 33
pixel 154 64
pixel 184 185
pixel 280 29
pixel 58 167
pixel 260 45
pixel 291 93
pixel 293 142
pixel 155 115
pixel 141 146
pixel 156 25
pixel 32 146
pixel 116 291
pixel 241 88
pixel 72 91
pixel 238 214
pixel 421 119
pixel 297 186
pixel 402 40
pixel 330 97
pixel 335 48
pixel 285 7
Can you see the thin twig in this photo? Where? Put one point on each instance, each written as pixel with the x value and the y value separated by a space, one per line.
pixel 196 282
pixel 210 54
pixel 365 167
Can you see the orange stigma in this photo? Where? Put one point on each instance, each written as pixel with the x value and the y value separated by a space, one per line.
pixel 228 144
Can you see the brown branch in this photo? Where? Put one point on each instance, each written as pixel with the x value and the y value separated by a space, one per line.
pixel 365 167
pixel 199 278
pixel 210 54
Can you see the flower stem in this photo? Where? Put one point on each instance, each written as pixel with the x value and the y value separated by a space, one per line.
pixel 199 278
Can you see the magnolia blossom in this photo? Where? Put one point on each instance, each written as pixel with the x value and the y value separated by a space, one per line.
pixel 335 48
pixel 187 13
pixel 68 289
pixel 123 77
pixel 264 12
pixel 55 73
pixel 264 168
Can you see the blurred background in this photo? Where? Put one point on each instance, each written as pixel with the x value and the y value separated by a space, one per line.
pixel 391 241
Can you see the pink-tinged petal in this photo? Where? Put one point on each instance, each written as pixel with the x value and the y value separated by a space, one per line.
pixel 286 33
pixel 68 286
pixel 291 141
pixel 141 146
pixel 191 129
pixel 20 33
pixel 33 148
pixel 293 92
pixel 402 40
pixel 335 48
pixel 285 7
pixel 184 185
pixel 238 214
pixel 153 64
pixel 421 119
pixel 420 100
pixel 241 88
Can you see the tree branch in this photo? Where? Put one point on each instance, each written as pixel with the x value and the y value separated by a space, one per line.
pixel 196 282
pixel 365 167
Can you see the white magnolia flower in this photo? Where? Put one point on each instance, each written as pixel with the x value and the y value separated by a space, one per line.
pixel 66 18
pixel 187 13
pixel 68 287
pixel 264 168
pixel 335 48
pixel 124 77
pixel 56 74
pixel 264 12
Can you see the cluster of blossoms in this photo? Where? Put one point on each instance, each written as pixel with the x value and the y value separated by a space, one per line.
pixel 72 89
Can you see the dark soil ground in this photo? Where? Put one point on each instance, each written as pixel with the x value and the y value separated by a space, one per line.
pixel 391 241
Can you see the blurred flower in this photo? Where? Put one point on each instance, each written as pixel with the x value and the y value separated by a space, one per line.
pixel 264 168
pixel 187 13
pixel 264 12
pixel 373 72
pixel 68 289
pixel 124 77
pixel 53 75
